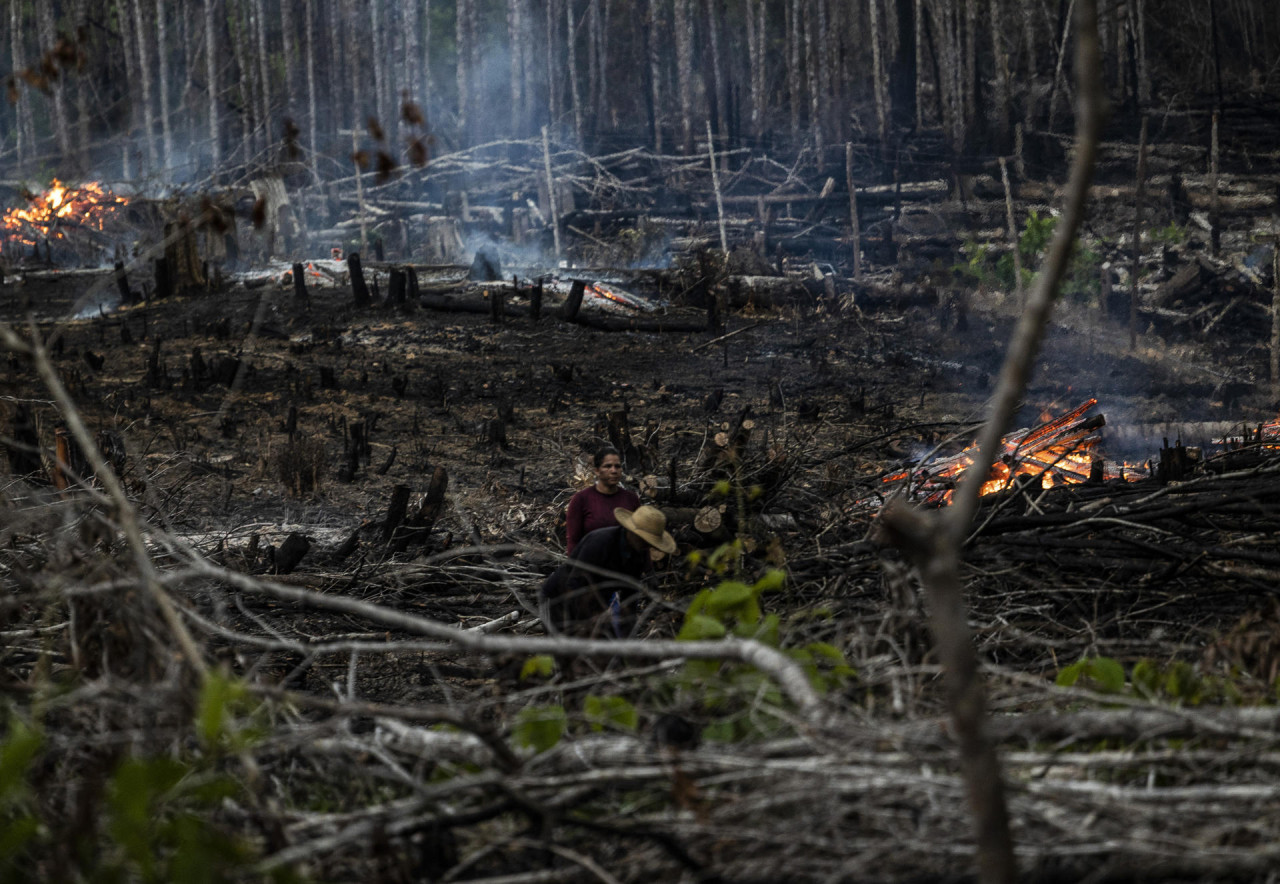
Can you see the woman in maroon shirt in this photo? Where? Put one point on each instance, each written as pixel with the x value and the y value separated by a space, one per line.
pixel 593 506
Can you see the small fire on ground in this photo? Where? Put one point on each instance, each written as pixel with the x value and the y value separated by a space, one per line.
pixel 1061 451
pixel 60 209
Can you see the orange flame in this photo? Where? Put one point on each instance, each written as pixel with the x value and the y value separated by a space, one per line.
pixel 46 214
pixel 1060 451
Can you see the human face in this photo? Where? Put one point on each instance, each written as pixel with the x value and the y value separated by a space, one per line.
pixel 609 474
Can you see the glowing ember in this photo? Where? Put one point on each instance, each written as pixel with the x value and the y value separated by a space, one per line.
pixel 1061 451
pixel 51 214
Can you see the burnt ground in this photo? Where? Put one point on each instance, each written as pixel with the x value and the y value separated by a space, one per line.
pixel 840 395
pixel 203 391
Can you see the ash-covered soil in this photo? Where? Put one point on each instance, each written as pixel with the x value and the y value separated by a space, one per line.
pixel 236 410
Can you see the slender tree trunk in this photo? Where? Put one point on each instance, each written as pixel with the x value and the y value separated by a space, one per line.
pixel 1000 105
pixel 594 110
pixel 656 33
pixel 309 48
pixel 428 81
pixel 240 39
pixel 714 16
pixel 463 38
pixel 289 84
pixel 606 116
pixel 352 32
pixel 162 49
pixel 1144 70
pixel 82 98
pixel 376 28
pixel 549 55
pixel 211 77
pixel 755 62
pixel 793 65
pixel 811 79
pixel 571 56
pixel 969 87
pixel 1140 192
pixel 826 91
pixel 516 39
pixel 144 79
pixel 878 74
pixel 682 25
pixel 1029 45
pixel 413 51
pixel 25 125
pixel 920 65
pixel 264 72
pixel 48 38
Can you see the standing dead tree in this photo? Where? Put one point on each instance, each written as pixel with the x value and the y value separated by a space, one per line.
pixel 934 543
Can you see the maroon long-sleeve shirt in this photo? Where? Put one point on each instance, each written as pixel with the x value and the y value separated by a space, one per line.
pixel 589 510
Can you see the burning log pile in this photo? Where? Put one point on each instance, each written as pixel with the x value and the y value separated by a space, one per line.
pixel 1062 450
pixel 83 219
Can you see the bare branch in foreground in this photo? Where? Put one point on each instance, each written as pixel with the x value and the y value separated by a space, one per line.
pixel 933 544
pixel 789 676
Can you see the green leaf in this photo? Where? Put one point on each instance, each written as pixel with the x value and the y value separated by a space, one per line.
pixel 15 834
pixel 771 581
pixel 1103 673
pixel 539 727
pixel 16 755
pixel 613 712
pixel 217 707
pixel 721 488
pixel 699 627
pixel 720 731
pixel 541 665
pixel 1146 677
pixel 727 597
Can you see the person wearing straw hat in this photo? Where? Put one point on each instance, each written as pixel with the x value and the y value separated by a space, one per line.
pixel 593 594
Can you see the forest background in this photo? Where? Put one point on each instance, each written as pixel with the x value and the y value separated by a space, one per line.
pixel 163 92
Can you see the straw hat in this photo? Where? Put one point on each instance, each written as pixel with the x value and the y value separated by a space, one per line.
pixel 649 524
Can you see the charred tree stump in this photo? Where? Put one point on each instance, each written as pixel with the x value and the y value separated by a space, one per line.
pixel 397 287
pixel 290 553
pixel 348 546
pixel 328 380
pixel 418 527
pixel 156 376
pixel 24 444
pixel 411 277
pixel 386 464
pixel 397 509
pixel 573 303
pixel 122 284
pixel 300 284
pixel 618 429
pixel 356 451
pixel 359 288
pixel 164 278
pixel 535 302
pixel 1175 463
pixel 70 466
pixel 497 305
